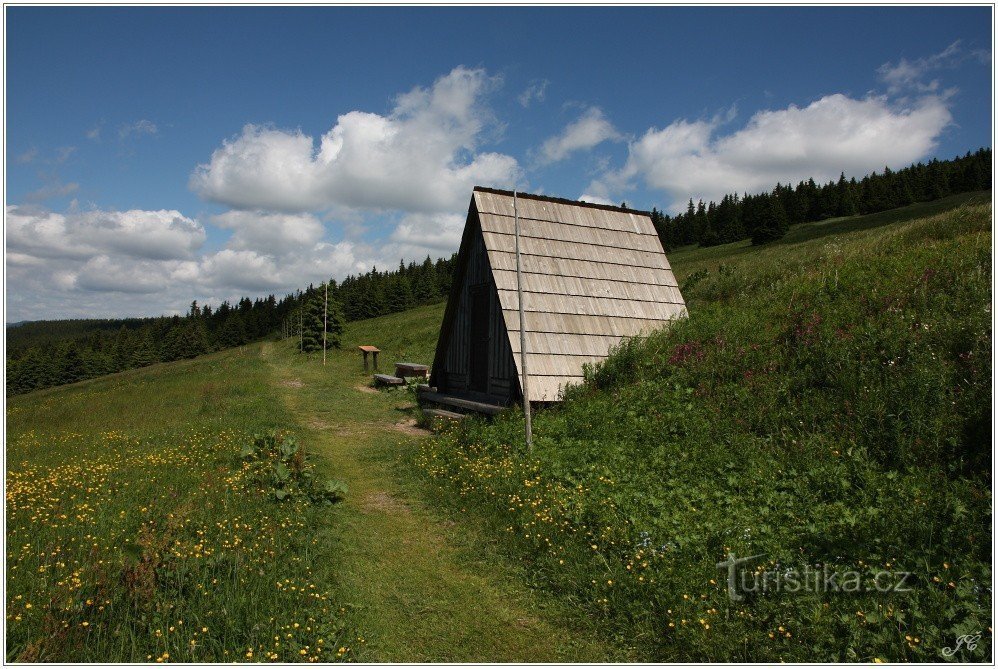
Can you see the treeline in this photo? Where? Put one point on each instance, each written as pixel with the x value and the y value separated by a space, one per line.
pixel 41 354
pixel 379 293
pixel 53 358
pixel 767 216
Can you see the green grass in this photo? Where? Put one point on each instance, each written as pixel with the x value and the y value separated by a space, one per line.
pixel 827 402
pixel 134 533
pixel 134 528
pixel 426 585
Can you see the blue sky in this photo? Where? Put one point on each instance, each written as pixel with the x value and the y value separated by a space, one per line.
pixel 160 155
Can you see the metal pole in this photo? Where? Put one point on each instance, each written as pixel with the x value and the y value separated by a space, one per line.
pixel 523 336
pixel 325 305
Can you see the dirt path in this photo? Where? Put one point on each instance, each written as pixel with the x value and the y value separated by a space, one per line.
pixel 421 588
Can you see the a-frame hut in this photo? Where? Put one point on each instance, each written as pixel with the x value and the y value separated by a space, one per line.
pixel 591 275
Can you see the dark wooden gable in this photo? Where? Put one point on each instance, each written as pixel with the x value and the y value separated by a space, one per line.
pixel 473 356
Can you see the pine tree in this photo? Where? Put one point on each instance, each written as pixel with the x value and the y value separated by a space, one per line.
pixel 773 223
pixel 846 198
pixel 311 323
pixel 233 332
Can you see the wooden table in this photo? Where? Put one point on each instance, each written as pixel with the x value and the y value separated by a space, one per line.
pixel 373 350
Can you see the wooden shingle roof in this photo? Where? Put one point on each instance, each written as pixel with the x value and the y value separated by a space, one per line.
pixel 592 275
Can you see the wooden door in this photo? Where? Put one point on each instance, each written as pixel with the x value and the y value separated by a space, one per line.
pixel 478 367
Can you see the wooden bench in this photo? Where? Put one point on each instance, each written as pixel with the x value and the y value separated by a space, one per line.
pixel 443 413
pixel 428 397
pixel 388 380
pixel 405 369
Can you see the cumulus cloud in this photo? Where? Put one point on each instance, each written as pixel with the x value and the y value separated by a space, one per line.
pixel 163 234
pixel 587 131
pixel 103 273
pixel 278 233
pixel 108 263
pixel 833 134
pixel 407 174
pixel 535 92
pixel 421 157
pixel 418 235
pixel 95 262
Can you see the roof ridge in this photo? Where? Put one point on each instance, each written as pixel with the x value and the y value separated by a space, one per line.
pixel 561 200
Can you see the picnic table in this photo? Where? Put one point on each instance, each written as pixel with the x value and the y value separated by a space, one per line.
pixel 370 349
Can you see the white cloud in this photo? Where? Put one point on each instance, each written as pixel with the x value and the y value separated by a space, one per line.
pixel 106 263
pixel 908 75
pixel 106 274
pixel 155 235
pixel 419 235
pixel 535 92
pixel 833 134
pixel 137 129
pixel 587 131
pixel 94 133
pixel 594 199
pixel 422 157
pixel 276 233
pixel 53 189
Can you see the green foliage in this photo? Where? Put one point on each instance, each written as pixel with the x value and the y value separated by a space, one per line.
pixel 318 311
pixel 773 222
pixel 826 403
pixel 278 463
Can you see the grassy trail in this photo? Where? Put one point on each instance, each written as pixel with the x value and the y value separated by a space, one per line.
pixel 424 587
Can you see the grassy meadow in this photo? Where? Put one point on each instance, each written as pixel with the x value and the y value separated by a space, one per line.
pixel 136 531
pixel 826 405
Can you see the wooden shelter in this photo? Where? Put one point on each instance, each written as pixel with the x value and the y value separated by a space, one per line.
pixel 591 275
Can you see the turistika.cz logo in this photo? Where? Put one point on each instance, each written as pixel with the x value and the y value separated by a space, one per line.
pixel 742 580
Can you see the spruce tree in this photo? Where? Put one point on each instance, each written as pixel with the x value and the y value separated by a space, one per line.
pixel 773 223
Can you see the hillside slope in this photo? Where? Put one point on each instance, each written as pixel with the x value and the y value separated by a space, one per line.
pixel 826 407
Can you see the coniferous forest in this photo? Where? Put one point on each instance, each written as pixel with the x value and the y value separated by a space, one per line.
pixel 41 354
pixel 765 217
